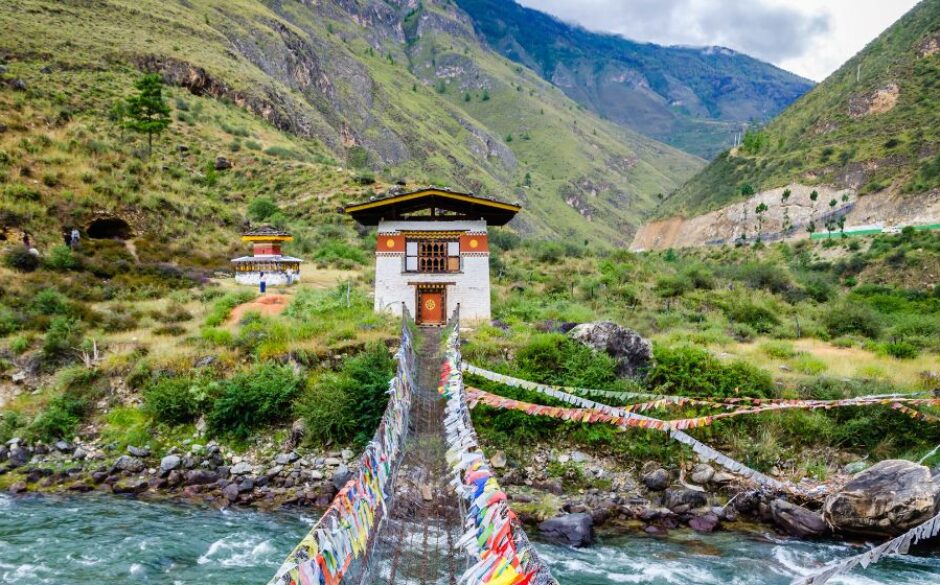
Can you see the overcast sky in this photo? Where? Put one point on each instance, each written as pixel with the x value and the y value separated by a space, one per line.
pixel 809 37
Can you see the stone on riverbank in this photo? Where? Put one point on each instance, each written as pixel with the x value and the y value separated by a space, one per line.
pixel 797 520
pixel 887 499
pixel 656 480
pixel 569 529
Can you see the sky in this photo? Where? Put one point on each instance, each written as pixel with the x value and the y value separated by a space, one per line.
pixel 809 37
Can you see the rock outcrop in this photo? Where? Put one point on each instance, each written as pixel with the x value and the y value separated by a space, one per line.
pixel 887 499
pixel 632 352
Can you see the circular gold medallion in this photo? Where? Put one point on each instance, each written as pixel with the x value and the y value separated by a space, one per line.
pixel 474 244
pixel 390 243
pixel 430 304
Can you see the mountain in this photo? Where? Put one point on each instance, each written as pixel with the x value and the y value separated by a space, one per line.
pixel 695 99
pixel 400 88
pixel 872 128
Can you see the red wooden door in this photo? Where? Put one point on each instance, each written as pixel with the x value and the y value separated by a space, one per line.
pixel 430 307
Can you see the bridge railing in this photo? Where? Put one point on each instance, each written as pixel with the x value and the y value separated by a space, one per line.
pixel 338 546
pixel 496 544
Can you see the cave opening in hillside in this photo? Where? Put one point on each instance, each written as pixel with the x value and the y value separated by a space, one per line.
pixel 109 228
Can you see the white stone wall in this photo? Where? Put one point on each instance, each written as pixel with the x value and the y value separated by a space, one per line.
pixel 471 286
pixel 387 227
pixel 271 278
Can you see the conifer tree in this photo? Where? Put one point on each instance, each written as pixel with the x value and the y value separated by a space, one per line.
pixel 147 113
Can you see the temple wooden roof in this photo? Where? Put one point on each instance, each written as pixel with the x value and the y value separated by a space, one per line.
pixel 266 233
pixel 443 205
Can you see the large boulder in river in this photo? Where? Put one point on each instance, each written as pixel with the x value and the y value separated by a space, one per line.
pixel 632 352
pixel 887 499
pixel 797 520
pixel 569 529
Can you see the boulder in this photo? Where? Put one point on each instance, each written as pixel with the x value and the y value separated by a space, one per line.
pixel 340 477
pixel 681 501
pixel 569 529
pixel 632 352
pixel 705 523
pixel 19 456
pixel 498 460
pixel 129 464
pixel 580 457
pixel 200 477
pixel 231 492
pixel 18 487
pixel 131 487
pixel 887 499
pixel 222 163
pixel 142 452
pixel 656 480
pixel 169 463
pixel 79 454
pixel 702 473
pixel 241 468
pixel 62 446
pixel 796 520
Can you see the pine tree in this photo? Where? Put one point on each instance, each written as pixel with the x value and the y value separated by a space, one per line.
pixel 147 113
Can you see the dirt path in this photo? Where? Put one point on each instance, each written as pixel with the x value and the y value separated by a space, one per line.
pixel 267 305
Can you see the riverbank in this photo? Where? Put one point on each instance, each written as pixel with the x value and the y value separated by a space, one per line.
pixel 92 539
pixel 601 494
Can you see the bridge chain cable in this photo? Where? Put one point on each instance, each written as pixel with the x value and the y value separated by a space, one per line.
pixel 494 540
pixel 338 545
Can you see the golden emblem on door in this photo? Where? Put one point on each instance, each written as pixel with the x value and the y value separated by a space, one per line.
pixel 430 305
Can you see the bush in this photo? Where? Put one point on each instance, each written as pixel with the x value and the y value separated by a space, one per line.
pixel 691 371
pixel 902 350
pixel 258 397
pixel 62 335
pixel 63 414
pixel 61 258
pixel 552 358
pixel 179 400
pixel 9 321
pixel 49 302
pixel 10 423
pixel 346 406
pixel 759 317
pixel 261 208
pixel 223 306
pixel 334 251
pixel 19 258
pixel 846 318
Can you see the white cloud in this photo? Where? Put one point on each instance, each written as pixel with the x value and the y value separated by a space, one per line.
pixel 809 37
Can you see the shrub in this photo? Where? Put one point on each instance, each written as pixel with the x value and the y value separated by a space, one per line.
pixel 761 318
pixel 846 318
pixel 553 358
pixel 19 258
pixel 347 405
pixel 692 371
pixel 9 321
pixel 179 400
pixel 902 350
pixel 62 335
pixel 49 302
pixel 672 286
pixel 10 422
pixel 63 414
pixel 258 397
pixel 61 258
pixel 261 208
pixel 334 251
pixel 224 305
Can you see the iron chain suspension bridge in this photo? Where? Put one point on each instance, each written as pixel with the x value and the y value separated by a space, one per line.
pixel 424 506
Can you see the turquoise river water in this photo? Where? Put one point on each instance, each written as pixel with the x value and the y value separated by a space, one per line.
pixel 100 540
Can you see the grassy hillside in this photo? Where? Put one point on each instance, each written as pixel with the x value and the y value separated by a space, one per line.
pixel 694 99
pixel 871 126
pixel 374 86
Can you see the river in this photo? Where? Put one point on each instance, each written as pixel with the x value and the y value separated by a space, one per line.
pixel 105 540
